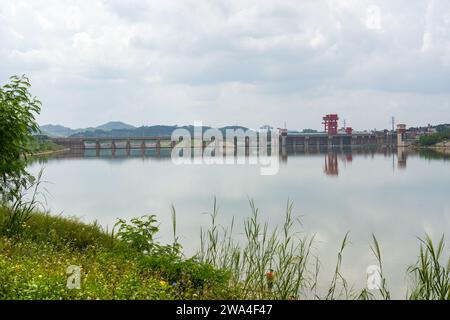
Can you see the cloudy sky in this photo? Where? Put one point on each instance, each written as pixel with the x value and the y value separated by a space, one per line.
pixel 231 62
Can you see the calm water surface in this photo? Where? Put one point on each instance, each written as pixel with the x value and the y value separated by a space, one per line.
pixel 396 196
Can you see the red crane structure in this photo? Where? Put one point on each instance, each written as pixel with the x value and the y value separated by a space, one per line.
pixel 331 124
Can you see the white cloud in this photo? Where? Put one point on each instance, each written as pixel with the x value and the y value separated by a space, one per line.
pixel 247 62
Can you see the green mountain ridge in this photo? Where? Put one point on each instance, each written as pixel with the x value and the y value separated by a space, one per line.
pixel 62 131
pixel 120 129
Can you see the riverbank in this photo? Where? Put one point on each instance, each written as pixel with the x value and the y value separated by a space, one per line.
pixel 43 146
pixel 34 264
pixel 48 153
pixel 441 147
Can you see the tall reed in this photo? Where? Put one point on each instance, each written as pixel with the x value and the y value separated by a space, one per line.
pixel 21 201
pixel 296 269
pixel 375 247
pixel 282 250
pixel 430 275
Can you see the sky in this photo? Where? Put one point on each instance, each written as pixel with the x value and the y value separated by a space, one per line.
pixel 246 62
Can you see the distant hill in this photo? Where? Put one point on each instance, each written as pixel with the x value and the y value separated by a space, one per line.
pixel 115 125
pixel 151 131
pixel 57 130
pixel 119 129
pixel 61 131
pixel 133 132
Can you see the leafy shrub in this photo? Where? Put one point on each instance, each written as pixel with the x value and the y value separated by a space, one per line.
pixel 139 234
pixel 18 110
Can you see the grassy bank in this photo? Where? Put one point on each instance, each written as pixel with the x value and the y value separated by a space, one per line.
pixel 129 264
pixel 440 137
pixel 39 145
pixel 33 265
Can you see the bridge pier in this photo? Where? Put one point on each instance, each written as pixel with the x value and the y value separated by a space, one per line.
pixel 158 147
pixel 283 139
pixel 113 148
pixel 224 148
pixel 128 148
pixel 379 141
pixel 247 146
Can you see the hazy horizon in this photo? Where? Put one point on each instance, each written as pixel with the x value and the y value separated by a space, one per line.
pixel 191 124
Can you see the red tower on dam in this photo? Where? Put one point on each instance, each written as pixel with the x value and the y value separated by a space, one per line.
pixel 331 124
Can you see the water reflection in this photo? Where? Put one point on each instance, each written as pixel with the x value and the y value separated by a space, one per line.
pixel 402 156
pixel 333 158
pixel 331 164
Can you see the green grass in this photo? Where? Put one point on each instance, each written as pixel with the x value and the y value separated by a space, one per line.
pixel 129 264
pixel 33 265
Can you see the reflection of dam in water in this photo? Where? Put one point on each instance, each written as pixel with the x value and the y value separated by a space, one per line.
pixel 402 155
pixel 331 164
pixel 123 153
pixel 333 158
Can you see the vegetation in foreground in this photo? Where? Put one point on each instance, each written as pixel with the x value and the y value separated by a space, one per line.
pixel 129 264
pixel 34 260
